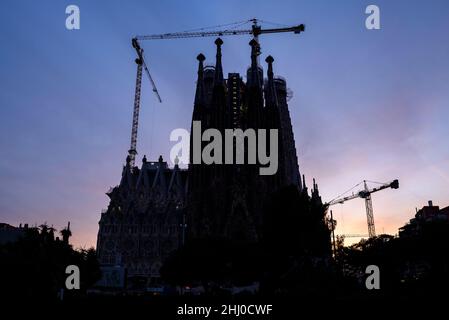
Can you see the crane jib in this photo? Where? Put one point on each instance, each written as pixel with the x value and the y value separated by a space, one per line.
pixel 256 30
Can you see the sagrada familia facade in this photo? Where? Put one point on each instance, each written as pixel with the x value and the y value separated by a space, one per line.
pixel 156 208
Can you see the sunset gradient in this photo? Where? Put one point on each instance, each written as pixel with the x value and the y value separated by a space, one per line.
pixel 367 104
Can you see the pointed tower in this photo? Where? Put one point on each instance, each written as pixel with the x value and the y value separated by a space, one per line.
pixel 254 73
pixel 218 95
pixel 270 92
pixel 218 78
pixel 199 94
pixel 304 186
pixel 278 116
pixel 316 193
pixel 199 114
pixel 254 92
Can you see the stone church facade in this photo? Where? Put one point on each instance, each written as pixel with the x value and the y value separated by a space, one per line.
pixel 156 208
pixel 142 222
pixel 235 193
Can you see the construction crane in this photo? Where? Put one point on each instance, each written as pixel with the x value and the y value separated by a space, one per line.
pixel 366 194
pixel 256 30
pixel 141 64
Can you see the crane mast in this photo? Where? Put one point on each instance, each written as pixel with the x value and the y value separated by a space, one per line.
pixel 369 212
pixel 140 62
pixel 135 124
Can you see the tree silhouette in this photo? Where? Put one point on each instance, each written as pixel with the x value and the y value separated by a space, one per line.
pixel 417 264
pixel 34 266
pixel 294 250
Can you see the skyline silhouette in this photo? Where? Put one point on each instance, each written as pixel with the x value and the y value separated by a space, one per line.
pixel 367 104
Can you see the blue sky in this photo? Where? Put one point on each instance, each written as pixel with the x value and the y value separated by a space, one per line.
pixel 368 104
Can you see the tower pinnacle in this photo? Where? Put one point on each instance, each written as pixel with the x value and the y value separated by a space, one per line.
pixel 199 96
pixel 254 69
pixel 218 79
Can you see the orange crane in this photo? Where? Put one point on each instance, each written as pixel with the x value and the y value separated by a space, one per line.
pixel 256 30
pixel 365 194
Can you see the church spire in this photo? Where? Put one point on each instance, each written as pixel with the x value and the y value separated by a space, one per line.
pixel 218 79
pixel 272 99
pixel 254 69
pixel 270 60
pixel 199 95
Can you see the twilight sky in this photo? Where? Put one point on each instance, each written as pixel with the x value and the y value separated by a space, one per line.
pixel 368 104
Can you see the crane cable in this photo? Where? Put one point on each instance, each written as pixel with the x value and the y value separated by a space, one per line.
pixel 370 181
pixel 339 196
pixel 217 26
pixel 232 25
pixel 273 23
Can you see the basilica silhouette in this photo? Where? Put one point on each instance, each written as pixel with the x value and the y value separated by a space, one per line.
pixel 157 209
